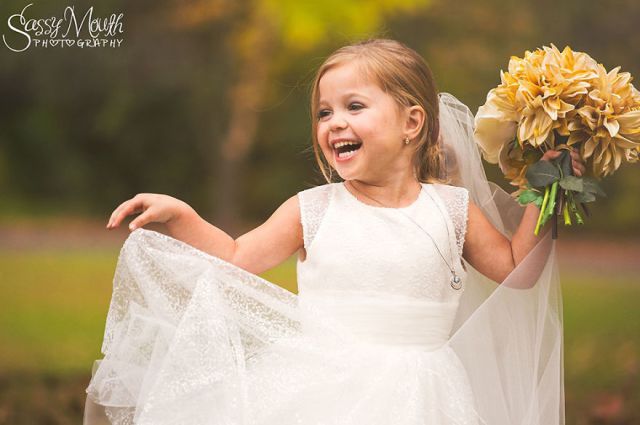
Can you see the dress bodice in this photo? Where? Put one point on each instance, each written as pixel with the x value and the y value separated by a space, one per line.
pixel 355 247
pixel 377 270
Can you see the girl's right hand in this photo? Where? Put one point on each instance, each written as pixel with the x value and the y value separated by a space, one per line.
pixel 154 208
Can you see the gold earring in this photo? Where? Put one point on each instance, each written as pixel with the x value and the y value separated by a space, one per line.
pixel 406 140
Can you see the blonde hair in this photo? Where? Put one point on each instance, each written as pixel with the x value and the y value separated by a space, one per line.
pixel 404 75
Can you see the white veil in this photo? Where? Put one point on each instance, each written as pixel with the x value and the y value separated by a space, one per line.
pixel 508 336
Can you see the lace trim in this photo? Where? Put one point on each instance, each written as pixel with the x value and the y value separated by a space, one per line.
pixel 456 200
pixel 463 217
pixel 313 205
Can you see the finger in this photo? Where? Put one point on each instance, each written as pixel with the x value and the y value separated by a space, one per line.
pixel 551 154
pixel 578 165
pixel 120 207
pixel 141 220
pixel 132 206
pixel 113 214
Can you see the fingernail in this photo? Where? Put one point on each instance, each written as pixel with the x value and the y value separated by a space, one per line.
pixel 132 227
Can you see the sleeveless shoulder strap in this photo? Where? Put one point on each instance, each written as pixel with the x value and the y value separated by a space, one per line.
pixel 313 205
pixel 456 200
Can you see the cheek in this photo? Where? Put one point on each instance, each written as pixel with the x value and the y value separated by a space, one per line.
pixel 322 136
pixel 371 124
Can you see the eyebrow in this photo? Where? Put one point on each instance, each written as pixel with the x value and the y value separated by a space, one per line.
pixel 346 95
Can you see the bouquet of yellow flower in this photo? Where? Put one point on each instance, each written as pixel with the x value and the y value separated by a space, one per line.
pixel 563 101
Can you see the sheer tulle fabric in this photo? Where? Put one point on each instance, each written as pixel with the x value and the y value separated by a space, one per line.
pixel 216 344
pixel 509 336
pixel 192 339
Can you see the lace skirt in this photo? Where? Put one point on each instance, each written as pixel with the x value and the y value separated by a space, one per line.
pixel 192 339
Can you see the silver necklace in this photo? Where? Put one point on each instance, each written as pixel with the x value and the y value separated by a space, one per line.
pixel 456 282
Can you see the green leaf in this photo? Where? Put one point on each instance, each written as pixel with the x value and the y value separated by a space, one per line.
pixel 528 196
pixel 542 174
pixel 584 197
pixel 538 202
pixel 574 183
pixel 565 163
pixel 592 186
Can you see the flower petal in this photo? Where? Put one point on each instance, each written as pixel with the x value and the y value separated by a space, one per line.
pixel 612 125
pixel 589 146
pixel 630 120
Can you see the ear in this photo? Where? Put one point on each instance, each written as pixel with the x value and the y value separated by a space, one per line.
pixel 415 117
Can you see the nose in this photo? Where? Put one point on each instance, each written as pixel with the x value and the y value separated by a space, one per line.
pixel 337 121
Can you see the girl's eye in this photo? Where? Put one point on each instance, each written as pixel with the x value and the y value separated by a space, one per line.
pixel 352 106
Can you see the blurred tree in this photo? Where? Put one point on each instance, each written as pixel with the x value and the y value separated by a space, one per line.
pixel 203 99
pixel 266 28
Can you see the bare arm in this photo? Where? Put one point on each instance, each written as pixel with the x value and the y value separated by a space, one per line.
pixel 273 242
pixel 490 252
pixel 256 251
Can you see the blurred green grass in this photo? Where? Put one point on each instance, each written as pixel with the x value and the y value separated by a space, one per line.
pixel 602 335
pixel 54 305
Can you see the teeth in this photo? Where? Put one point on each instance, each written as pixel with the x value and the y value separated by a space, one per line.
pixel 348 142
pixel 346 154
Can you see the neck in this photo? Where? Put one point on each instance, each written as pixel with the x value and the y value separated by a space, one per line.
pixel 394 193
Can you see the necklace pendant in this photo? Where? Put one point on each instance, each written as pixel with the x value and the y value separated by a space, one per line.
pixel 456 282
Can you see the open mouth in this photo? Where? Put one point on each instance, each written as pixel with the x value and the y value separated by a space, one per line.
pixel 345 150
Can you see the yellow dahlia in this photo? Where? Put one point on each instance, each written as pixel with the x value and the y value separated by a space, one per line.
pixel 607 126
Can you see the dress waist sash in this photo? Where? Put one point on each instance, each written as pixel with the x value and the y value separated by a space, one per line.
pixel 386 320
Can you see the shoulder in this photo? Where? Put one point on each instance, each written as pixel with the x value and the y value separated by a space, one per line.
pixel 455 196
pixel 316 190
pixel 315 197
pixel 456 201
pixel 307 203
pixel 462 207
pixel 313 203
pixel 288 212
pixel 449 188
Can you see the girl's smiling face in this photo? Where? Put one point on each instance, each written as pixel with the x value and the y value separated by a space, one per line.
pixel 353 108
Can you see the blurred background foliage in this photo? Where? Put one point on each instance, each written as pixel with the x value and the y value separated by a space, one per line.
pixel 207 101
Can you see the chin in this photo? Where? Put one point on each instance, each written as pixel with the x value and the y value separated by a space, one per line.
pixel 346 175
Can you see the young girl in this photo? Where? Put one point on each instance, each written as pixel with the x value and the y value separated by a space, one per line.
pixel 424 295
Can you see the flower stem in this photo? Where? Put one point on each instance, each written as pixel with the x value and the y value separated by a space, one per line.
pixel 542 210
pixel 552 201
pixel 574 210
pixel 565 213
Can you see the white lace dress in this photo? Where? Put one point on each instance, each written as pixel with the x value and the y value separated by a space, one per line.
pixel 192 339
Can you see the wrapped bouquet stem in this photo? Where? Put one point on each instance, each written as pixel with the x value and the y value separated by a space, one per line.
pixel 557 190
pixel 548 105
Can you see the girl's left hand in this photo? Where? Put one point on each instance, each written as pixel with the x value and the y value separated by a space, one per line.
pixel 576 162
